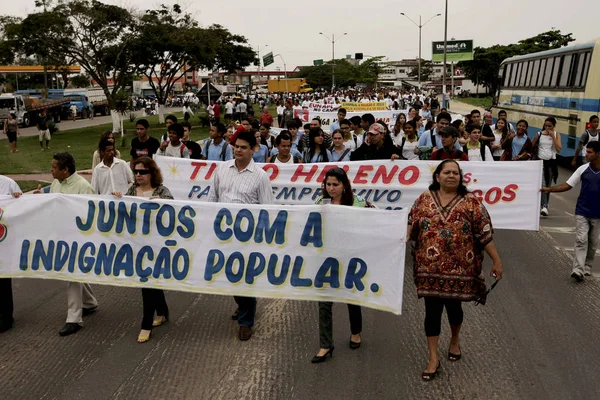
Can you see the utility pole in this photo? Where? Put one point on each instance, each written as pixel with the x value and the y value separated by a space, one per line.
pixel 284 72
pixel 332 40
pixel 420 26
pixel 445 55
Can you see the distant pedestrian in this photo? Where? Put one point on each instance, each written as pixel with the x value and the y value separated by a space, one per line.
pixel 587 210
pixel 11 130
pixel 546 145
pixel 43 131
pixel 451 229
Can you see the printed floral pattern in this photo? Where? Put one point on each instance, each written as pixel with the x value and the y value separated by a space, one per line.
pixel 449 242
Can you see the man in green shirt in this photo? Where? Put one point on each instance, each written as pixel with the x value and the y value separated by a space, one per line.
pixel 80 297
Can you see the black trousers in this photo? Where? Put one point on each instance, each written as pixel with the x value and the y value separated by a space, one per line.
pixel 246 309
pixel 154 302
pixel 6 300
pixel 434 307
pixel 326 322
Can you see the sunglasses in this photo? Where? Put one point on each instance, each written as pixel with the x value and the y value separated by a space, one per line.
pixel 482 299
pixel 141 171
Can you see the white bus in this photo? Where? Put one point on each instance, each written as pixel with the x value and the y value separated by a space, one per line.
pixel 563 83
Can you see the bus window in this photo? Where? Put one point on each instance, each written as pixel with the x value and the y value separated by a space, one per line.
pixel 548 72
pixel 532 81
pixel 555 71
pixel 584 65
pixel 540 81
pixel 507 69
pixel 515 81
pixel 565 70
pixel 524 72
pixel 574 67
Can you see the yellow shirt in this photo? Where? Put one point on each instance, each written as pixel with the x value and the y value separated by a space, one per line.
pixel 74 184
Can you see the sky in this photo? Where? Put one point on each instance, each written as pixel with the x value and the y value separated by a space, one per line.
pixel 374 28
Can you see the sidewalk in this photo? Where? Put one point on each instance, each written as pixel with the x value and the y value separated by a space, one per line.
pixel 47 177
pixel 458 107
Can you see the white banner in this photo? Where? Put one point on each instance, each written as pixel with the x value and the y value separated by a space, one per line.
pixel 509 190
pixel 328 118
pixel 321 107
pixel 328 253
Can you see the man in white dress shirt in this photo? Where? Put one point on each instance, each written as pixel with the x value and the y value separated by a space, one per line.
pixel 111 175
pixel 242 181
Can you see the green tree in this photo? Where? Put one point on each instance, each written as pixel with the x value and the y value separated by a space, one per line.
pixel 346 74
pixel 426 70
pixel 484 67
pixel 95 35
pixel 170 43
pixel 80 81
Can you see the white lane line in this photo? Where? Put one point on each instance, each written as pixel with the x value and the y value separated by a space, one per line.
pixel 569 214
pixel 558 229
pixel 570 249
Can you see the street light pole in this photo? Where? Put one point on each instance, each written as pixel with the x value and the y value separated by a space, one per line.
pixel 332 40
pixel 420 26
pixel 284 72
pixel 445 44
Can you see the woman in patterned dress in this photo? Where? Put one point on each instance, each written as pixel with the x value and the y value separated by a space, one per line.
pixel 450 228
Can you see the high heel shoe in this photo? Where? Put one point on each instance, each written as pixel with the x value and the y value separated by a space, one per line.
pixel 144 337
pixel 454 357
pixel 429 376
pixel 320 359
pixel 354 345
pixel 160 320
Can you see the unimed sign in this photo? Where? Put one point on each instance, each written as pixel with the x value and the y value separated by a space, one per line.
pixel 456 50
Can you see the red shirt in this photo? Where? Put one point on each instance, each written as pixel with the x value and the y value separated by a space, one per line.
pixel 217 110
pixel 233 137
pixel 442 154
pixel 266 118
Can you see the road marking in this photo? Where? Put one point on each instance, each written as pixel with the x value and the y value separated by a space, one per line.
pixel 569 214
pixel 558 229
pixel 570 249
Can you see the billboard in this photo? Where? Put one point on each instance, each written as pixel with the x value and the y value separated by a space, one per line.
pixel 456 50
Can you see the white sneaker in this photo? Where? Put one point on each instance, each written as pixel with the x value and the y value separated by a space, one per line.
pixel 544 211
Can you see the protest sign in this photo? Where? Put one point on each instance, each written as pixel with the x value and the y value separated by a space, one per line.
pixel 328 253
pixel 509 190
pixel 320 107
pixel 327 118
pixel 365 107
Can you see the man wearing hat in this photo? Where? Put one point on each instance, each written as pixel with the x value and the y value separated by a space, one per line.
pixel 449 151
pixel 377 146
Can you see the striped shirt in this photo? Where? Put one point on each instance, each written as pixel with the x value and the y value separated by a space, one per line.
pixel 248 186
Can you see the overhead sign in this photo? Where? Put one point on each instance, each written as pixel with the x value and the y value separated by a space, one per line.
pixel 317 62
pixel 268 59
pixel 456 50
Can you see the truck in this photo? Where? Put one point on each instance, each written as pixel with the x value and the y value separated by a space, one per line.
pixel 290 85
pixel 466 87
pixel 82 98
pixel 27 109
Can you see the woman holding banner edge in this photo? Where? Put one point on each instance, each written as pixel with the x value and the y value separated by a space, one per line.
pixel 338 191
pixel 148 184
pixel 450 228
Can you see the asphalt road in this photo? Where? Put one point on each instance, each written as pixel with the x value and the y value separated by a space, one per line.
pixel 537 338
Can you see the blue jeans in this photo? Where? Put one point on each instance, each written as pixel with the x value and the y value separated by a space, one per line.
pixel 247 309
